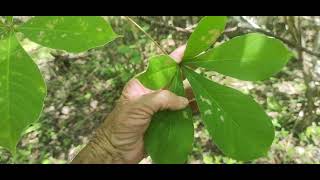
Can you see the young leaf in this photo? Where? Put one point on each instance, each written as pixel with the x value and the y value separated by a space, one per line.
pixel 69 33
pixel 205 34
pixel 249 57
pixel 237 124
pixel 169 137
pixel 22 92
pixel 160 71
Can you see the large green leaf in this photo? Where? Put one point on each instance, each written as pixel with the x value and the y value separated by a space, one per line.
pixel 205 34
pixel 22 92
pixel 249 57
pixel 169 137
pixel 160 72
pixel 237 124
pixel 70 33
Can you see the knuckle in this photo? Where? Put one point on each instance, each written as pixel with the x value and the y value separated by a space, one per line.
pixel 165 93
pixel 164 97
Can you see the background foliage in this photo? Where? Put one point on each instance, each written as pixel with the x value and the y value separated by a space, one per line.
pixel 82 88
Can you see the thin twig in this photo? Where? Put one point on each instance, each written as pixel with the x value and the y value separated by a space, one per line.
pixel 140 28
pixel 252 24
pixel 253 27
pixel 288 42
pixel 314 21
pixel 294 24
pixel 159 24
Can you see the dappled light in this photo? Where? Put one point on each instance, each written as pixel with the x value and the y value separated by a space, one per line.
pixel 255 88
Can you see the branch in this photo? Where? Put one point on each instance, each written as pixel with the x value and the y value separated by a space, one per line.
pixel 288 42
pixel 140 28
pixel 309 106
pixel 253 27
pixel 248 21
pixel 314 21
pixel 159 24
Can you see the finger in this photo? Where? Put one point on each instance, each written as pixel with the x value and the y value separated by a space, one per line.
pixel 177 54
pixel 164 99
pixel 134 89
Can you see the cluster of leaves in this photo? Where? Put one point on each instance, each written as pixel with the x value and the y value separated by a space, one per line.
pixel 22 87
pixel 237 124
pixel 81 92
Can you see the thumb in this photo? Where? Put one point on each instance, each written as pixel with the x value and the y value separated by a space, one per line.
pixel 164 99
pixel 177 54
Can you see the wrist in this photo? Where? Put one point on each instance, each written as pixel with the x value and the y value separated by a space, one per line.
pixel 99 150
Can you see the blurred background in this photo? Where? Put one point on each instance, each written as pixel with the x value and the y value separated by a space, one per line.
pixel 82 88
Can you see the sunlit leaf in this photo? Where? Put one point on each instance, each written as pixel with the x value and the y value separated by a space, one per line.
pixel 169 137
pixel 206 33
pixel 249 57
pixel 70 33
pixel 237 124
pixel 160 72
pixel 22 92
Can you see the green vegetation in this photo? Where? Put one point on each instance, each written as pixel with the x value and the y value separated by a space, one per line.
pixel 82 89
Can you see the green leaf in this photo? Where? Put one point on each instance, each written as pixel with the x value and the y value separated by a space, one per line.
pixel 160 72
pixel 250 57
pixel 22 92
pixel 205 34
pixel 169 137
pixel 238 125
pixel 70 33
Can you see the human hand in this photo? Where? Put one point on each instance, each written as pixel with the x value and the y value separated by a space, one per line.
pixel 120 138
